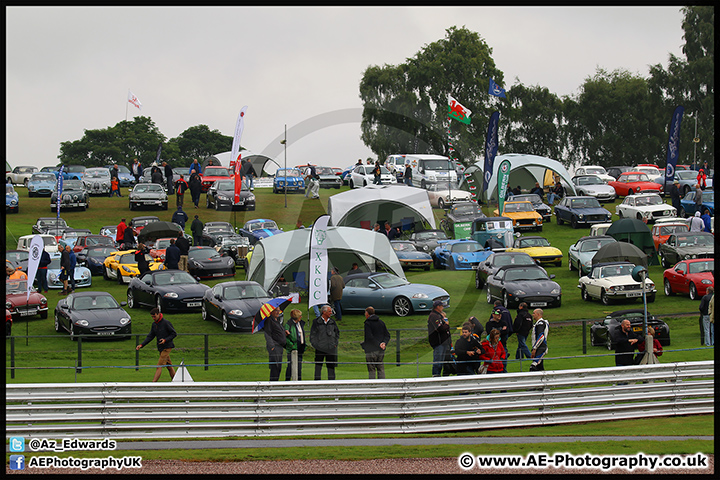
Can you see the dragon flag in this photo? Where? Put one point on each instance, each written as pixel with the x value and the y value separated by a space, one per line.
pixel 457 111
pixel 673 146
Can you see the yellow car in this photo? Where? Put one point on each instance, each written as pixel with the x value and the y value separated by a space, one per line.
pixel 522 214
pixel 121 266
pixel 539 249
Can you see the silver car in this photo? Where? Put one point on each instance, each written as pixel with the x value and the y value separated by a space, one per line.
pixel 148 195
pixel 594 186
pixel 97 181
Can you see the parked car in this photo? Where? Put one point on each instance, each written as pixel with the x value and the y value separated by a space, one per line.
pixel 75 172
pixel 125 176
pixel 542 208
pixel 662 231
pixel 18 303
pixel 327 176
pixel 692 277
pixel 93 258
pixel 97 181
pixel 92 313
pixel 599 228
pixel 222 195
pixel 687 204
pixel 138 223
pixel 427 240
pixel 605 332
pixel 159 247
pixel 41 184
pixel 629 183
pixel 581 211
pixel 21 175
pixel 514 284
pixel 362 176
pixel 612 281
pixel 90 240
pixel 652 171
pixel 647 207
pixel 594 186
pixel 616 171
pixel 217 227
pixel 167 290
pixel 12 199
pixel 461 254
pixel 73 195
pixel 55 171
pixel 389 293
pixel 685 246
pixel 148 195
pixel 146 177
pixel 538 248
pixel 595 170
pixel 234 304
pixel 83 277
pixel 228 243
pixel 122 266
pixel 206 262
pixel 19 258
pixel 459 218
pixel 50 242
pixel 71 235
pixel 581 253
pixel 687 179
pixel 442 194
pixel 288 179
pixel 258 229
pixel 50 225
pixel 522 214
pixel 211 174
pixel 109 231
pixel 490 266
pixel 409 256
pixel 493 232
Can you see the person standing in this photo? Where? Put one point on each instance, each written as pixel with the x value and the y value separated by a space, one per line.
pixel 168 177
pixel 295 340
pixel 708 328
pixel 504 324
pixel 494 353
pixel 196 227
pixel 521 327
pixel 376 339
pixel 156 175
pixel 674 193
pixel 142 262
pixel 274 343
pixel 336 292
pixel 698 198
pixel 181 186
pixel 137 170
pixel 184 246
pixel 325 337
pixel 172 256
pixel 248 172
pixel 439 338
pixel 72 262
pixel 164 332
pixel 377 174
pixel 195 186
pixel 539 341
pixel 657 347
pixel 115 181
pixel 120 232
pixel 407 175
pixel 707 220
pixel 696 223
pixel 702 179
pixel 468 351
pixel 626 344
pixel 195 166
pixel 41 274
pixel 128 238
pixel 180 217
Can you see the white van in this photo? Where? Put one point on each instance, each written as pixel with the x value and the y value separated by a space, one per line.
pixel 51 244
pixel 428 169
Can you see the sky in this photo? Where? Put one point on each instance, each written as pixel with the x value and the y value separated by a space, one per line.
pixel 69 69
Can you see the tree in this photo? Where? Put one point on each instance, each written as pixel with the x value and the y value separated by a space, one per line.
pixel 200 142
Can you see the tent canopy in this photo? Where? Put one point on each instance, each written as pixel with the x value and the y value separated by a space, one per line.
pixel 634 231
pixel 398 204
pixel 288 255
pixel 260 163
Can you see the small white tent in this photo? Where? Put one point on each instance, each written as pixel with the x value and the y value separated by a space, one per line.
pixel 260 163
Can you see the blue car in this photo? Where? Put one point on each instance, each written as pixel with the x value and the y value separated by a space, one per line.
pixel 459 254
pixel 55 171
pixel 687 204
pixel 290 179
pixel 75 172
pixel 83 277
pixel 41 184
pixel 258 229
pixel 12 200
pixel 125 177
pixel 389 293
pixel 578 211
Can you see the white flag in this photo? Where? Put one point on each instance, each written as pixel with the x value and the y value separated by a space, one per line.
pixel 318 284
pixel 36 247
pixel 134 100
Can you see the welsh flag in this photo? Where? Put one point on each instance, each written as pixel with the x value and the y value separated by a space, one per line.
pixel 457 111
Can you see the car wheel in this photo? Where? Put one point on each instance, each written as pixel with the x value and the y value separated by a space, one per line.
pixel 131 299
pixel 478 282
pixel 580 271
pixel 584 294
pixel 105 273
pixel 630 192
pixel 441 203
pixel 225 322
pixel 204 312
pixel 570 266
pixel 651 298
pixel 351 184
pixel 158 303
pixel 402 307
pixel 217 207
pixel 506 300
pixel 574 222
pixel 664 262
pixel 693 291
pixel 57 323
pixel 604 298
pixel 683 213
pixel 619 213
pixel 558 263
pixel 25 183
pixel 668 288
pixel 559 220
pixel 73 333
pixel 488 296
pixel 436 263
pixel 451 264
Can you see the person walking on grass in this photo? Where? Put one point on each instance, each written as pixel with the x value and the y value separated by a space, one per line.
pixel 164 332
pixel 376 339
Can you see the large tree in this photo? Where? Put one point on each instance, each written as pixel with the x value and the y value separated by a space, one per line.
pixel 200 142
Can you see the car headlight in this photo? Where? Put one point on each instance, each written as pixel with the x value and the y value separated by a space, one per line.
pixel 237 312
pixel 419 295
pixel 707 282
pixel 171 295
pixel 8 305
pixel 461 258
pixel 124 321
pixel 127 269
pixel 251 197
pixel 581 216
pixel 85 275
pixel 555 291
pixel 53 277
pixel 44 300
pixel 82 323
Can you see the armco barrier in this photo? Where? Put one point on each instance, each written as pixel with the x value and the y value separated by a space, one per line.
pixel 425 405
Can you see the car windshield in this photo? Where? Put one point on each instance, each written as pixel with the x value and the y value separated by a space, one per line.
pixel 290 172
pixel 260 225
pixel 173 278
pixel 97 174
pixel 704 266
pixel 203 254
pixel 218 229
pixel 534 242
pixel 465 210
pixel 595 245
pixel 616 270
pixel 52 222
pixel 502 260
pixel 437 165
pixel 590 181
pixel 148 187
pixel 519 207
pixel 670 229
pixel 534 199
pixel 595 171
pixel 75 168
pixel 162 244
pixel 101 252
pixel 695 240
pixel 225 185
pixel 686 174
pixel 72 185
pixel 43 177
pixel 99 302
pixel 404 247
pixel 9 190
pixel 708 197
pixel 431 236
pixel 24 169
pixel 141 222
pixel 440 186
pixel 324 171
pixel 238 292
pixel 385 280
pixel 498 225
pixel 525 274
pixel 584 203
pixel 54 263
pixel 15 286
pixel 99 240
pixel 648 200
pixel 216 172
pixel 466 247
pixel 129 259
pixel 17 256
pixel 635 177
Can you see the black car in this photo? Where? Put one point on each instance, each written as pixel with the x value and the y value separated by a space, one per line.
pixel 166 290
pixel 92 313
pixel 427 240
pixel 221 194
pixel 531 284
pixel 685 246
pixel 228 243
pixel 148 195
pixel 234 304
pixel 496 260
pixel 538 205
pixel 138 223
pixel 206 262
pixel 73 195
pixel 619 169
pixel 50 226
pixel 94 257
pixel 599 336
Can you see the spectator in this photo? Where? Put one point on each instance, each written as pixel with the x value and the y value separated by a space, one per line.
pixel 354 268
pixel 626 343
pixel 387 230
pixel 468 351
pixel 517 190
pixel 674 193
pixel 394 233
pixel 325 337
pixel 41 275
pixel 295 340
pixel 195 186
pixel 249 173
pixel 168 177
pixel 156 175
pixel 539 341
pixel 64 267
pixel 274 342
pixel 299 224
pixel 73 263
pixel 698 198
pixel 142 262
pixel 538 191
pixel 128 238
pixel 696 223
pixel 377 172
pixel 506 324
pixel 180 217
pixel 195 166
pixel 120 232
pixel 439 338
pixel 313 181
pixel 478 328
pixel 702 179
pixel 172 256
pixel 521 328
pixel 196 227
pixel 376 339
pixel 164 332
pixel 136 170
pixel 707 220
pixel 708 327
pixel 181 186
pixel 376 228
pixel 115 181
pixel 407 176
pixel 336 292
pixel 184 246
pixel 557 193
pixel 657 348
pixel 493 353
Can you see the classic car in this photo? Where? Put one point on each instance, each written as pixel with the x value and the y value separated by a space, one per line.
pixel 97 181
pixel 595 170
pixel 75 172
pixel 83 277
pixel 82 241
pixel 613 281
pixel 12 199
pixel 71 235
pixel 514 284
pixel 17 302
pixel 690 276
pixel 662 231
pixel 217 227
pixel 652 171
pixel 327 177
pixel 288 179
pixel 234 304
pixel 629 183
pixel 166 290
pixel 122 266
pixel 362 176
pixel 458 219
pixel 647 207
pixel 19 257
pixel 491 265
pixel 599 228
pixel 539 249
pixel 687 204
pixel 616 171
pixel 594 186
pixel 228 243
pixel 148 195
pixel 158 249
pixel 493 232
pixel 92 313
pixel 522 214
pixel 581 211
pixel 687 179
pixel 427 240
pixel 55 171
pixel 206 262
pixel 442 194
pixel 409 256
pixel 138 223
pixel 41 184
pixel 125 176
pixel 604 333
pixel 581 253
pixel 21 175
pixel 459 254
pixel 222 195
pixel 50 242
pixel 93 258
pixel 50 226
pixel 389 293
pixel 685 246
pixel 258 229
pixel 211 174
pixel 146 177
pixel 73 195
pixel 542 208
pixel 109 231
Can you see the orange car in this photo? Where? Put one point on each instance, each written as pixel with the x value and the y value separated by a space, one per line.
pixel 661 232
pixel 522 214
pixel 158 250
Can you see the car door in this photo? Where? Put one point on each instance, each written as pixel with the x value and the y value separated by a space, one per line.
pixel 495 283
pixel 592 284
pixel 215 306
pixel 678 278
pixel 145 288
pixel 574 255
pixel 357 294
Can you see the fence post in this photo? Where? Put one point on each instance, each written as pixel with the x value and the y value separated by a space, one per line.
pixel 294 365
pixel 78 369
pixel 207 353
pixel 584 337
pixel 12 357
pixel 137 353
pixel 397 346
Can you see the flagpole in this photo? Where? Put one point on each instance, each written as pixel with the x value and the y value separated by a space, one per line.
pixel 126 105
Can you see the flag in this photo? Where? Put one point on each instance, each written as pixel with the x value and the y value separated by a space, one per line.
pixel 157 157
pixel 317 289
pixel 491 148
pixel 673 148
pixel 457 111
pixel 267 308
pixel 496 90
pixel 235 155
pixel 502 183
pixel 36 248
pixel 134 100
pixel 59 190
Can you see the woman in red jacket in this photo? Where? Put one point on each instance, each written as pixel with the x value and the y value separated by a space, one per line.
pixel 701 179
pixel 657 348
pixel 494 352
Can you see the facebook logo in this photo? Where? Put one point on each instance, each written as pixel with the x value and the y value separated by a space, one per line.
pixel 17 462
pixel 17 444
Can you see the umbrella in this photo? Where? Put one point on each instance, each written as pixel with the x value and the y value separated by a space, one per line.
pixel 627 225
pixel 267 308
pixel 159 229
pixel 619 252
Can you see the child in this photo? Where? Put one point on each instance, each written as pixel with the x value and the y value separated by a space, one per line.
pixel 114 187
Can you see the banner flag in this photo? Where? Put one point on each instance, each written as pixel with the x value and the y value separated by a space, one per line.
pixel 59 190
pixel 235 155
pixel 503 180
pixel 491 148
pixel 134 100
pixel 36 248
pixel 496 90
pixel 457 111
pixel 318 284
pixel 157 157
pixel 673 148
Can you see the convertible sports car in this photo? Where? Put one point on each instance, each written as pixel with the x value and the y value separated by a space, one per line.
pixel 138 223
pixel 50 225
pixel 258 229
pixel 662 231
pixel 687 204
pixel 234 304
pixel 167 290
pixel 595 170
pixel 581 210
pixel 92 241
pixel 594 186
pixel 409 256
pixel 71 236
pixel 690 276
pixel 581 253
pixel 97 181
pixel 19 305
pixel 522 214
pixel 389 293
pixel 613 281
pixel 94 258
pixel 74 195
pixel 427 240
pixel 12 199
pixel 539 249
pixel 289 179
pixel 148 195
pixel 647 207
pixel 442 194
pixel 629 183
pixel 83 277
pixel 41 184
pixel 121 266
pixel 543 209
pixel 109 231
pixel 491 265
pixel 228 243
pixel 459 254
pixel 514 284
pixel 604 333
pixel 222 195
pixel 92 313
pixel 19 257
pixel 684 246
pixel 158 250
pixel 206 262
pixel 458 221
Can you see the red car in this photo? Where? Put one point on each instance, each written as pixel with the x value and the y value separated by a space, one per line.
pixel 690 276
pixel 629 183
pixel 662 231
pixel 16 300
pixel 212 174
pixel 92 241
pixel 158 250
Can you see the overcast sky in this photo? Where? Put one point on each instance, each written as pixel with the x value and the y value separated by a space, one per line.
pixel 70 69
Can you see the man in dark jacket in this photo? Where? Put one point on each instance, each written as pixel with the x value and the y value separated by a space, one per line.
pixel 168 177
pixel 184 246
pixel 181 186
pixel 248 172
pixel 274 342
pixel 195 185
pixel 156 176
pixel 325 337
pixel 142 262
pixel 164 332
pixel 64 267
pixel 468 351
pixel 180 217
pixel 521 328
pixel 41 275
pixel 172 256
pixel 128 238
pixel 626 343
pixel 336 292
pixel 196 227
pixel 376 339
pixel 439 338
pixel 674 193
